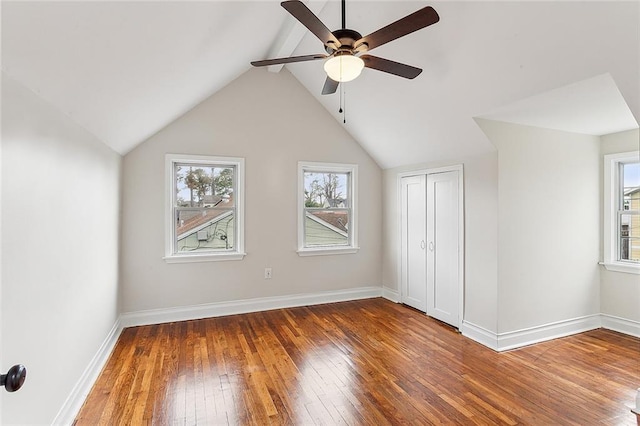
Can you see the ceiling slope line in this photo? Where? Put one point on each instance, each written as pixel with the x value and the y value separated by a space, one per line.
pixel 291 35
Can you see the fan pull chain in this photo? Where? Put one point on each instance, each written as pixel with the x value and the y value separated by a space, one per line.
pixel 343 103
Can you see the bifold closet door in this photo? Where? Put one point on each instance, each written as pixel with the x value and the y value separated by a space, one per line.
pixel 413 242
pixel 442 222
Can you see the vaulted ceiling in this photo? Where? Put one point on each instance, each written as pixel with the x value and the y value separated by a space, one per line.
pixel 124 70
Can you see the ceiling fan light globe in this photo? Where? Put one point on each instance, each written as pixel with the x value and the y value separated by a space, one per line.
pixel 343 68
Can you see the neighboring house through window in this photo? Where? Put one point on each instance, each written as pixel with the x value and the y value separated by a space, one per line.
pixel 622 212
pixel 205 219
pixel 327 202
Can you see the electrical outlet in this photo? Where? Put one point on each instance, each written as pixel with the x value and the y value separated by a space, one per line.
pixel 267 273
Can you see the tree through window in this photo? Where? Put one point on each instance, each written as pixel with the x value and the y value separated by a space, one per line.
pixel 204 205
pixel 327 206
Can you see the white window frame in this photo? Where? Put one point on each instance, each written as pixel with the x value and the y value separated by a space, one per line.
pixel 171 256
pixel 352 169
pixel 612 195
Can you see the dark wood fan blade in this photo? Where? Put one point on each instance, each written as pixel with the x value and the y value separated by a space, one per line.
pixel 410 23
pixel 311 21
pixel 330 86
pixel 392 67
pixel 288 60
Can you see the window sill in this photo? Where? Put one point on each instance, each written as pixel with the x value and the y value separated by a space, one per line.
pixel 192 258
pixel 622 267
pixel 324 251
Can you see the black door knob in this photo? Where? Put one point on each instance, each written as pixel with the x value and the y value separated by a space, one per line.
pixel 14 379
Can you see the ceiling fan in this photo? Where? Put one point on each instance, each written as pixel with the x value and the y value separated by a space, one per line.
pixel 345 48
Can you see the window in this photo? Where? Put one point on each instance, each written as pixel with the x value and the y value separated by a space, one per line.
pixel 205 220
pixel 622 212
pixel 327 205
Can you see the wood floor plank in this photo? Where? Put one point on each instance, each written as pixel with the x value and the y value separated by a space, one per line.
pixel 361 362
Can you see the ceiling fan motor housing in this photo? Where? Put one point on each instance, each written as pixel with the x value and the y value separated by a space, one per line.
pixel 347 39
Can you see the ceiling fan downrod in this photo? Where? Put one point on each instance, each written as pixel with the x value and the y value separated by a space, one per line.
pixel 344 18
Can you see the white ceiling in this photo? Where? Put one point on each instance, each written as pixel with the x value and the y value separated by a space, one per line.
pixel 593 106
pixel 124 70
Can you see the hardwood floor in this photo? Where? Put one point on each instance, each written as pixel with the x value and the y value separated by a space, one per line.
pixel 361 362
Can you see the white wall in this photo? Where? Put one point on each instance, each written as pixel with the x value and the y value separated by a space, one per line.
pixel 619 292
pixel 271 121
pixel 60 219
pixel 480 216
pixel 548 215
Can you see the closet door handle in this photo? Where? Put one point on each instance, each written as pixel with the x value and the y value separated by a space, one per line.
pixel 431 247
pixel 14 379
pixel 422 245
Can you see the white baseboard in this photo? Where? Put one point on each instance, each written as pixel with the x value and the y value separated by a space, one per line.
pixel 74 401
pixel 621 325
pixel 528 336
pixel 390 294
pixel 480 335
pixel 209 310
